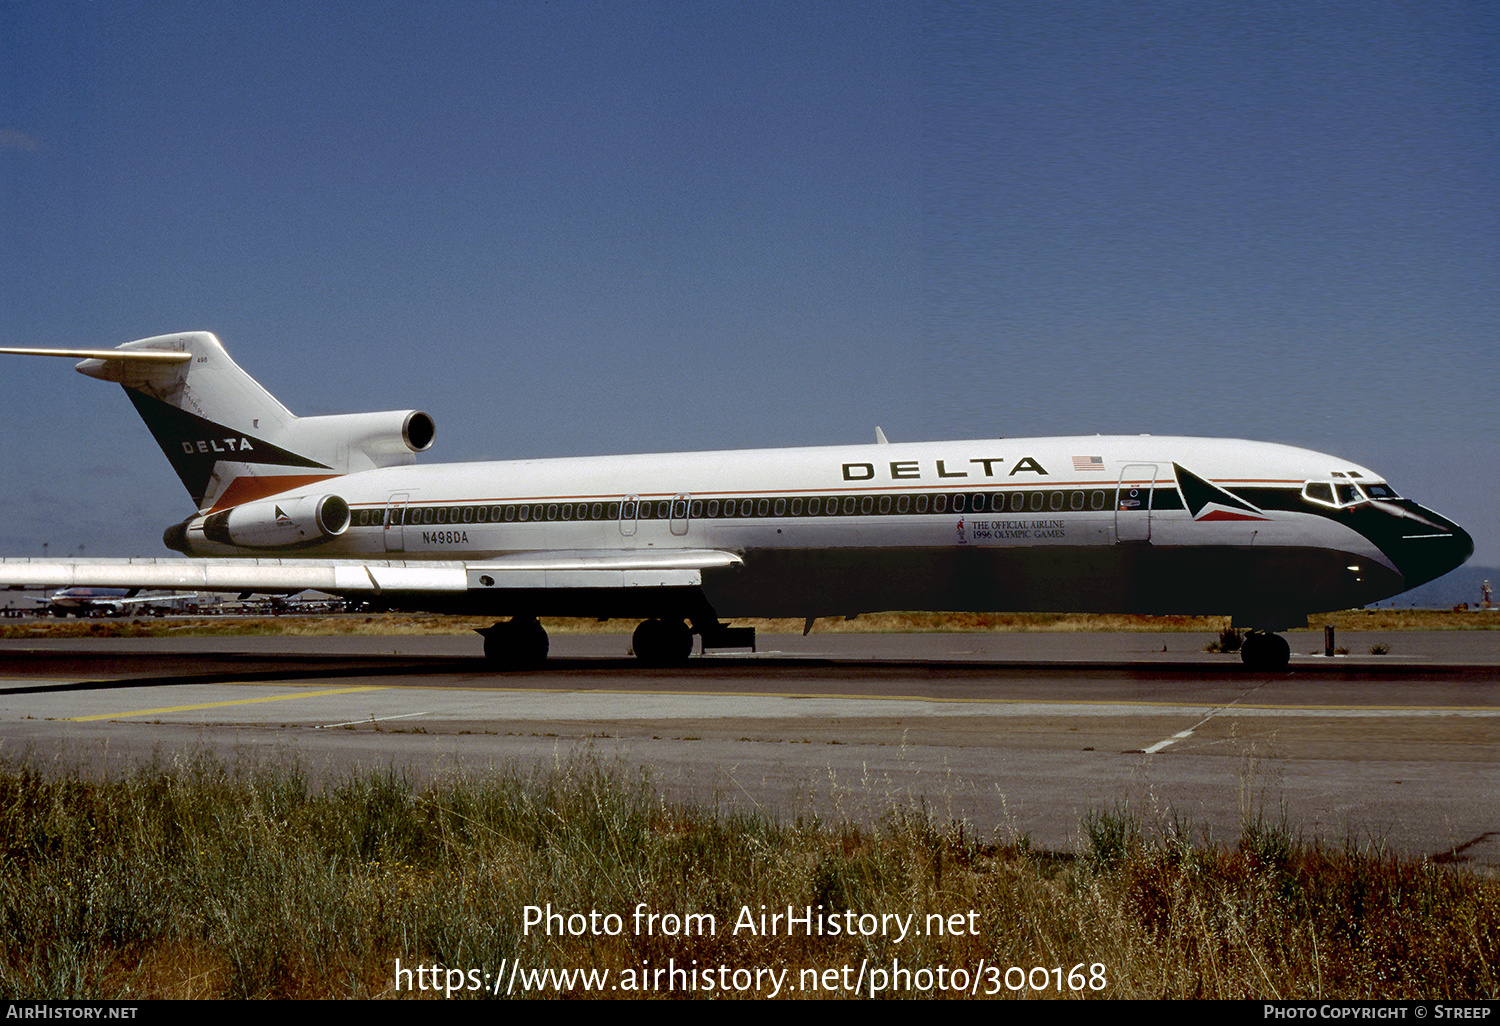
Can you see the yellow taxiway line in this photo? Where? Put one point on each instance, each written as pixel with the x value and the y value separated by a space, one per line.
pixel 216 705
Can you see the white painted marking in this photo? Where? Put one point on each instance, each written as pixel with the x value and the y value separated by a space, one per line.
pixel 1169 741
pixel 368 719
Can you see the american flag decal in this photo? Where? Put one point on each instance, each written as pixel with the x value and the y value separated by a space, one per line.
pixel 1082 463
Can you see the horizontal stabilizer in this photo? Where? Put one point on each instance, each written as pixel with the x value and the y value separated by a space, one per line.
pixel 137 356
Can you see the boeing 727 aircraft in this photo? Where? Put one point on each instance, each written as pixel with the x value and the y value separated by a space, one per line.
pixel 1130 524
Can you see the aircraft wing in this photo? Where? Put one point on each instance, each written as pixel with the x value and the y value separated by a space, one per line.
pixel 531 570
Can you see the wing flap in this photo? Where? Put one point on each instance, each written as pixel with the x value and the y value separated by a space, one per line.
pixel 491 580
pixel 604 568
pixel 612 559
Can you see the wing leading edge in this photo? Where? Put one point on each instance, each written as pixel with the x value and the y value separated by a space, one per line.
pixel 443 580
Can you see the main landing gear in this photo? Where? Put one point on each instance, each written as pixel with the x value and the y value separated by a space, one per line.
pixel 662 642
pixel 1265 652
pixel 521 642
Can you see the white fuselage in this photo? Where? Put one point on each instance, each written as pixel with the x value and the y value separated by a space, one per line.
pixel 1090 523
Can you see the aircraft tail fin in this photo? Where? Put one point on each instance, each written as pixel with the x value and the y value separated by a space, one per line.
pixel 229 440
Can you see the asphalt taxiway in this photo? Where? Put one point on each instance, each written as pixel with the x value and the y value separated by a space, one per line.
pixel 1016 733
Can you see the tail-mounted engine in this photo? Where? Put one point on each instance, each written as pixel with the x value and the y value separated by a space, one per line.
pixel 383 438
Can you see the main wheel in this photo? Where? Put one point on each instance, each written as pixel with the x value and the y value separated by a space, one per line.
pixel 662 642
pixel 1264 652
pixel 515 645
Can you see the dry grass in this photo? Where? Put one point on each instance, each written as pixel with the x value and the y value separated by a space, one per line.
pixel 197 880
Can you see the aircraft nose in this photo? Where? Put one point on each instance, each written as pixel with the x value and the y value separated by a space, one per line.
pixel 1427 556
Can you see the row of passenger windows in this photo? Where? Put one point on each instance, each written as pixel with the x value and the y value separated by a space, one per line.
pixel 1030 501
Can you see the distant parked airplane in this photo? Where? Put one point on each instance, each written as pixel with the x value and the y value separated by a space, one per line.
pixel 100 601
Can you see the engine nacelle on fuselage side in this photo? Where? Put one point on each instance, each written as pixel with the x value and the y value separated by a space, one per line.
pixel 293 522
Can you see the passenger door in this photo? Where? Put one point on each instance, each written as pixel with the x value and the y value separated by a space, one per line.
pixel 395 514
pixel 1133 503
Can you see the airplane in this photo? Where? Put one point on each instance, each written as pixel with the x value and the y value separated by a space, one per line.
pixel 1265 533
pixel 100 601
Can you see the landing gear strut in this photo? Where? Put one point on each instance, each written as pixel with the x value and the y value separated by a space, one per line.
pixel 1265 652
pixel 662 642
pixel 516 644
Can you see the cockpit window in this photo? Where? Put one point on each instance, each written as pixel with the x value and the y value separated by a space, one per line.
pixel 1341 492
pixel 1320 492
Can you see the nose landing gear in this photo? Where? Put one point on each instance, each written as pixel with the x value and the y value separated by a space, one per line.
pixel 517 644
pixel 1265 652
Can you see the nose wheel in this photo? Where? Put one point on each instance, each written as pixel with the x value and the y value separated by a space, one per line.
pixel 517 644
pixel 1265 652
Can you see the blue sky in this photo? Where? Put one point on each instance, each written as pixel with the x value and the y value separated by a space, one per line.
pixel 574 227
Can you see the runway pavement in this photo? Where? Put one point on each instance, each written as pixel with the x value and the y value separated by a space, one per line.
pixel 1016 733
